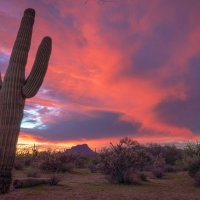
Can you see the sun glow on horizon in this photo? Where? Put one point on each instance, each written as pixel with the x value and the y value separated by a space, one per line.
pixel 96 144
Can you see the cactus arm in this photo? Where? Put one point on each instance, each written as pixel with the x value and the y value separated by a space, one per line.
pixel 19 55
pixel 35 79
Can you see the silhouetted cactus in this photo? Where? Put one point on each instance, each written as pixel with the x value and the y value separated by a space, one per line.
pixel 15 89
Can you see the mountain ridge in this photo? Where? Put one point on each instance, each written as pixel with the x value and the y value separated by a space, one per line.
pixel 81 150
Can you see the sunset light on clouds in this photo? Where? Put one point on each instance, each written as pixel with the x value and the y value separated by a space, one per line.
pixel 121 68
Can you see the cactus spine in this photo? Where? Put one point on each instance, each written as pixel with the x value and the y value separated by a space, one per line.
pixel 15 89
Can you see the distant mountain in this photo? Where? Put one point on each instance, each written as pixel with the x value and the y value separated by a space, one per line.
pixel 81 149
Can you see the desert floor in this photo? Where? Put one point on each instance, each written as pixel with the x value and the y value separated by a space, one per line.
pixel 82 184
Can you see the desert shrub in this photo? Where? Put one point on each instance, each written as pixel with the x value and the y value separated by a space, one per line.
pixel 158 167
pixel 43 155
pixel 142 176
pixel 148 168
pixel 81 162
pixel 92 167
pixel 197 179
pixel 18 165
pixel 54 179
pixel 158 172
pixel 192 149
pixel 67 167
pixel 169 152
pixel 33 172
pixel 191 159
pixel 154 149
pixel 182 165
pixel 65 158
pixel 131 177
pixel 26 155
pixel 193 165
pixel 27 162
pixel 171 168
pixel 159 162
pixel 144 158
pixel 93 163
pixel 57 162
pixel 95 160
pixel 119 162
pixel 50 166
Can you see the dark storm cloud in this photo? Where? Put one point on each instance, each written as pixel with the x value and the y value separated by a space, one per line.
pixel 184 113
pixel 159 44
pixel 102 125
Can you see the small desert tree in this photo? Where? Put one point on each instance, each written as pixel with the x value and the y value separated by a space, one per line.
pixel 119 162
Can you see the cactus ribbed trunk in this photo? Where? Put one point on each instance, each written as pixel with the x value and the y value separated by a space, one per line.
pixel 15 89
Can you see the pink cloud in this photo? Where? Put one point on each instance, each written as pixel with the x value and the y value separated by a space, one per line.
pixel 123 57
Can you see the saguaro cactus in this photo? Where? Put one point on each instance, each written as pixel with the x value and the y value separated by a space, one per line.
pixel 15 89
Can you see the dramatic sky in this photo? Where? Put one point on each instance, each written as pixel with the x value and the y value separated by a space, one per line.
pixel 120 68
